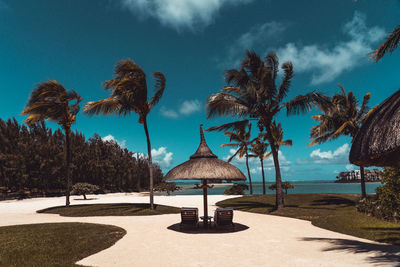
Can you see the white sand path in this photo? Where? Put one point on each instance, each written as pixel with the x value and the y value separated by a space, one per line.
pixel 269 240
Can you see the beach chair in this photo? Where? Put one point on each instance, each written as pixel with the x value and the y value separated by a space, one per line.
pixel 223 218
pixel 189 218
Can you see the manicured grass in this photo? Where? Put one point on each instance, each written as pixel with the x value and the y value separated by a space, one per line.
pixel 336 212
pixel 54 244
pixel 119 209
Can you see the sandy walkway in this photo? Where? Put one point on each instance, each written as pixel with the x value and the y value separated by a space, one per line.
pixel 269 241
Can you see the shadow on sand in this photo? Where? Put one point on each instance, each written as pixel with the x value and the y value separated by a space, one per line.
pixel 383 253
pixel 211 230
pixel 93 198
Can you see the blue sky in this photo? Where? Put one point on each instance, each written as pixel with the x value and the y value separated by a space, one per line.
pixel 192 42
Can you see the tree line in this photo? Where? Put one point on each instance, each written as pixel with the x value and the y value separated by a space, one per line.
pixel 32 158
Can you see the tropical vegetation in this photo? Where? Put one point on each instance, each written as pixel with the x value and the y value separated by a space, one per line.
pixel 252 94
pixel 236 189
pixel 129 94
pixel 84 189
pixel 389 45
pixel 386 203
pixel 51 101
pixel 342 115
pixel 241 137
pixel 32 162
pixel 285 186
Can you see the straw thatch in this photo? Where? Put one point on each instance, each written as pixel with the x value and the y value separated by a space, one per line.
pixel 204 165
pixel 377 143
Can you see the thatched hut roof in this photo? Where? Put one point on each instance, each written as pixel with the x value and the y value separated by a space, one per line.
pixel 204 165
pixel 377 143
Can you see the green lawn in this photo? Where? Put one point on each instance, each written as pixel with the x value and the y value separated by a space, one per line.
pixel 119 209
pixel 336 212
pixel 54 244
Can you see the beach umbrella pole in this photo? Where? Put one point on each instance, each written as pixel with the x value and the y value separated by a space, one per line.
pixel 205 186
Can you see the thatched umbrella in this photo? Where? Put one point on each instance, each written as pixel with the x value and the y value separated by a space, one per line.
pixel 377 143
pixel 205 165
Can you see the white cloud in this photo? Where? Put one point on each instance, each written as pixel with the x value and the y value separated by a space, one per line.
pixel 339 156
pixel 190 106
pixel 257 35
pixel 325 62
pixel 162 157
pixel 350 167
pixel 169 113
pixel 111 138
pixel 186 108
pixel 179 14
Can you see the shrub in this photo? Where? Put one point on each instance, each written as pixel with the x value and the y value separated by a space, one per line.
pixel 236 189
pixel 386 204
pixel 285 186
pixel 83 189
pixel 166 187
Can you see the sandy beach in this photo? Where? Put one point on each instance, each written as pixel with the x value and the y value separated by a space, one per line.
pixel 269 240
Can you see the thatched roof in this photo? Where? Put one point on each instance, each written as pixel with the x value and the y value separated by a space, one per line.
pixel 204 165
pixel 377 143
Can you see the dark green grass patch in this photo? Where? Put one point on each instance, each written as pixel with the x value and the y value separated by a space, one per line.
pixel 54 244
pixel 336 212
pixel 119 209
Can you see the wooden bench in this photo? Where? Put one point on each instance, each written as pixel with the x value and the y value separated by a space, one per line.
pixel 189 217
pixel 223 217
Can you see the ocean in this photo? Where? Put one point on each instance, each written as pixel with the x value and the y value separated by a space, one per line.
pixel 299 188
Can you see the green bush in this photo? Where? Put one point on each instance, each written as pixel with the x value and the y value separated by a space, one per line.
pixel 166 187
pixel 386 204
pixel 83 189
pixel 285 186
pixel 236 189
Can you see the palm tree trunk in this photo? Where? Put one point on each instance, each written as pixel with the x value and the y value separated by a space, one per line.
pixel 278 178
pixel 248 173
pixel 263 176
pixel 363 192
pixel 150 163
pixel 67 131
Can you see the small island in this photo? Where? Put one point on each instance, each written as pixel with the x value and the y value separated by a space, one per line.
pixel 354 176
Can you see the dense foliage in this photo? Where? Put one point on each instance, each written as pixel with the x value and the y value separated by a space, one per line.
pixel 84 189
pixel 167 187
pixel 32 162
pixel 386 204
pixel 285 186
pixel 236 189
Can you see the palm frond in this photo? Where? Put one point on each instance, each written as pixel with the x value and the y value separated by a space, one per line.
pixel 228 126
pixel 105 106
pixel 304 103
pixel 390 44
pixel 284 88
pixel 159 86
pixel 225 104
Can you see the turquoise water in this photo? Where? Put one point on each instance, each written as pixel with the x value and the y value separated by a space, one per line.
pixel 299 188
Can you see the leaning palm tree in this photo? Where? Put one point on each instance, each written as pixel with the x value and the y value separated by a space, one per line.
pixel 251 94
pixel 259 150
pixel 341 116
pixel 241 137
pixel 129 94
pixel 390 44
pixel 51 101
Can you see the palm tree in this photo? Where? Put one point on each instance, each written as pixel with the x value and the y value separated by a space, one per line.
pixel 390 44
pixel 342 116
pixel 259 149
pixel 242 139
pixel 51 101
pixel 252 94
pixel 129 93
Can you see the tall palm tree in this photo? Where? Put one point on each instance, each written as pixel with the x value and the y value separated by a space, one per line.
pixel 341 116
pixel 242 142
pixel 389 45
pixel 129 94
pixel 259 150
pixel 51 101
pixel 252 94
